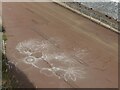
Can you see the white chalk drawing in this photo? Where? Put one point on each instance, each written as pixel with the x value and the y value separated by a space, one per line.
pixel 70 73
pixel 42 50
pixel 73 73
pixel 31 60
pixel 28 47
pixel 59 57
pixel 81 53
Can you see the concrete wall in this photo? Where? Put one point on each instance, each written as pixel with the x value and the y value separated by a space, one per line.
pixel 96 16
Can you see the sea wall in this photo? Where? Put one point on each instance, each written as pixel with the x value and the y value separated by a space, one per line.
pixel 91 14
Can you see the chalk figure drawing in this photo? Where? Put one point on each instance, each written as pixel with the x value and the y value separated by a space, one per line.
pixel 29 48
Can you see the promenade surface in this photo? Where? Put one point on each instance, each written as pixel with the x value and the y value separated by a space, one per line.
pixel 53 47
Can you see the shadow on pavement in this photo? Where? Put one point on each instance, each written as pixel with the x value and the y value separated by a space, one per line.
pixel 15 77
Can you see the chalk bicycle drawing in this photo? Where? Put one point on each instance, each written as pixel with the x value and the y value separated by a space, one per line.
pixel 30 47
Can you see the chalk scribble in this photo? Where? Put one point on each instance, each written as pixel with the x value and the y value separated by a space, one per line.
pixel 73 73
pixel 28 47
pixel 42 50
pixel 81 53
pixel 70 73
